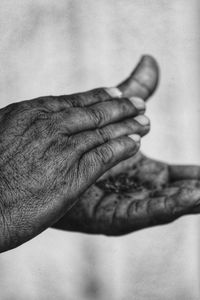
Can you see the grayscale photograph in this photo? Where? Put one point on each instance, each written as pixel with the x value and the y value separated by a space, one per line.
pixel 99 150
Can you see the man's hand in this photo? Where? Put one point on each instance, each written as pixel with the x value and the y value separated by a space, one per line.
pixel 53 148
pixel 139 192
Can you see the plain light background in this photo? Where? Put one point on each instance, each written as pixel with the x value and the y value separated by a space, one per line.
pixel 59 47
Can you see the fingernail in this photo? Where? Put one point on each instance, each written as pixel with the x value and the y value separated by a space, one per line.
pixel 114 92
pixel 138 103
pixel 143 120
pixel 136 138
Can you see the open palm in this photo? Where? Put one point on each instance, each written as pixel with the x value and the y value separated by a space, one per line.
pixel 139 193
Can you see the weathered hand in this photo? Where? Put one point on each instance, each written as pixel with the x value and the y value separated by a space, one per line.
pixel 52 149
pixel 139 192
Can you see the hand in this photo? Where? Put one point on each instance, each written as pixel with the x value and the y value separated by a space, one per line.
pixel 53 148
pixel 139 192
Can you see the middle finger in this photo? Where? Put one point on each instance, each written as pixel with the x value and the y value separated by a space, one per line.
pixel 96 116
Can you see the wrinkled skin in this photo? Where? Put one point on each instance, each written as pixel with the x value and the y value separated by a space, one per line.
pixel 52 149
pixel 139 192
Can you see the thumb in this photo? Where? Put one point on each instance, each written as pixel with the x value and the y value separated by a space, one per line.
pixel 143 80
pixel 184 172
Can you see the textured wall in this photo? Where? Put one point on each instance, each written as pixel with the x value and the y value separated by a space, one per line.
pixel 57 47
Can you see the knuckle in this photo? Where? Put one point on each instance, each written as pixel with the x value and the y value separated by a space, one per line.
pixel 101 94
pixel 73 100
pixel 72 142
pixel 40 102
pixel 103 134
pixel 41 115
pixel 43 101
pixel 98 116
pixel 42 124
pixel 105 154
pixel 76 145
pixel 98 92
pixel 125 104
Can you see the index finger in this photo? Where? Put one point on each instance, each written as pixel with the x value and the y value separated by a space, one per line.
pixel 89 97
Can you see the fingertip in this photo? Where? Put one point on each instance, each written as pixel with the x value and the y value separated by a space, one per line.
pixel 186 201
pixel 147 72
pixel 134 141
pixel 149 59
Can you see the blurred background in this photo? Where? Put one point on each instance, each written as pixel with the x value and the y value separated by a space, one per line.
pixel 59 47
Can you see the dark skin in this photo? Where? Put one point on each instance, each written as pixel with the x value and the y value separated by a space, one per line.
pixel 52 149
pixel 139 192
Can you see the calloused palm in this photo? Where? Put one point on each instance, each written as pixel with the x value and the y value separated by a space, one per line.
pixel 139 192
